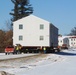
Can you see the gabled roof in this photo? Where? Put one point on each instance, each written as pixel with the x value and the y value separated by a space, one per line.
pixel 72 37
pixel 33 17
pixel 62 37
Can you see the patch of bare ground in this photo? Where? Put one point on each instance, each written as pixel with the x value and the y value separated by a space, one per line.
pixel 5 73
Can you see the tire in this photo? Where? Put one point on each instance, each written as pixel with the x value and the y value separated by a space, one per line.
pixel 58 50
pixel 5 53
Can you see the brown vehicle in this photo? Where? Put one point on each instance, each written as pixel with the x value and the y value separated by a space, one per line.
pixel 64 46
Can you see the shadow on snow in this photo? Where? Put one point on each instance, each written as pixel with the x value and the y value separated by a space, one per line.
pixel 66 53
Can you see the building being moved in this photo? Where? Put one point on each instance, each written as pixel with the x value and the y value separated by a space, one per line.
pixel 32 31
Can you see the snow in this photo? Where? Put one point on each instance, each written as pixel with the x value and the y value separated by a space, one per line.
pixel 3 56
pixel 62 63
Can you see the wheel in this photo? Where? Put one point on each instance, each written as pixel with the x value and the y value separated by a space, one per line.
pixel 58 50
pixel 5 53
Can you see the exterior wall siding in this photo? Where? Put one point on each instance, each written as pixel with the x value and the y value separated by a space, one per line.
pixel 53 35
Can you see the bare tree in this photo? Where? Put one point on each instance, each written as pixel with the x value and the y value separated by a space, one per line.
pixel 8 26
pixel 8 38
pixel 2 38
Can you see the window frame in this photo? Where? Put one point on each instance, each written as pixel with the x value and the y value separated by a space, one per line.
pixel 41 38
pixel 20 37
pixel 20 26
pixel 41 26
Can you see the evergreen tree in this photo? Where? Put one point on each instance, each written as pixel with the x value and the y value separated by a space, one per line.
pixel 22 8
pixel 73 32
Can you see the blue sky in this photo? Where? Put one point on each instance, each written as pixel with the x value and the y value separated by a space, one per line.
pixel 62 13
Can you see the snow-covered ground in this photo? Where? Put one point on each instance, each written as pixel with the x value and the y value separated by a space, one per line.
pixel 10 56
pixel 63 63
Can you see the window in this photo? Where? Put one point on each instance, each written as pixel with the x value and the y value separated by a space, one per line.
pixel 41 26
pixel 71 43
pixel 74 39
pixel 71 39
pixel 20 37
pixel 41 38
pixel 61 41
pixel 20 26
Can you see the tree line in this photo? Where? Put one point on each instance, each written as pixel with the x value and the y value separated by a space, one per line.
pixel 5 39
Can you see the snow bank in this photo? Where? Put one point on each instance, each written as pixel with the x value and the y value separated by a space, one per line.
pixel 10 56
pixel 20 67
pixel 53 64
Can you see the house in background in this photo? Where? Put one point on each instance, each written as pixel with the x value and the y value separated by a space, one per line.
pixel 69 41
pixel 34 31
pixel 72 41
pixel 63 41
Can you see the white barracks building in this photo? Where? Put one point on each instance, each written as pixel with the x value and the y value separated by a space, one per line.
pixel 34 31
pixel 70 41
